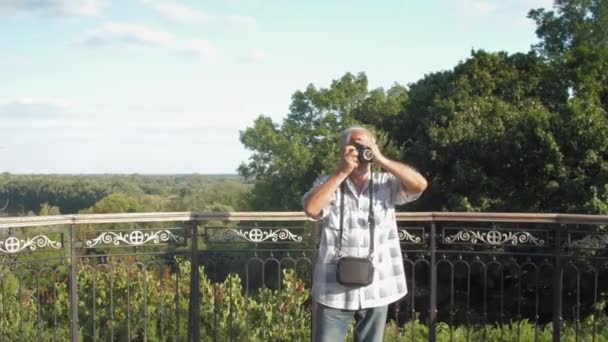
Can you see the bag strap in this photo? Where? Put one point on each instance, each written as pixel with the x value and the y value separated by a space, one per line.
pixel 370 217
pixel 342 186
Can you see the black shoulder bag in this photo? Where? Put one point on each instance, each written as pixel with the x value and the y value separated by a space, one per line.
pixel 354 271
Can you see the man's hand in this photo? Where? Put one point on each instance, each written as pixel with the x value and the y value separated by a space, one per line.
pixel 411 180
pixel 349 160
pixel 316 200
pixel 378 156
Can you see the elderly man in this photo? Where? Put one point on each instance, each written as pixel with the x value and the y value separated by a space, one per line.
pixel 358 212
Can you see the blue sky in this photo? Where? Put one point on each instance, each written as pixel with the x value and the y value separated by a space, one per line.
pixel 151 86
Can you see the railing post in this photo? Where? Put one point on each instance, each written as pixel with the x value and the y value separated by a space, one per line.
pixel 316 241
pixel 194 314
pixel 557 287
pixel 73 284
pixel 433 286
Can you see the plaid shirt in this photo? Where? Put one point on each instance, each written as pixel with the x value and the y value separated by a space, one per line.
pixel 388 284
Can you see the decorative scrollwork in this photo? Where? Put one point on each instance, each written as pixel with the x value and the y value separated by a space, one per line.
pixel 226 235
pixel 405 236
pixel 591 241
pixel 14 244
pixel 135 238
pixel 494 237
pixel 258 235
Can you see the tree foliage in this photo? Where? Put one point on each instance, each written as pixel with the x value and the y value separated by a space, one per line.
pixel 574 44
pixel 70 194
pixel 483 136
pixel 521 132
pixel 288 157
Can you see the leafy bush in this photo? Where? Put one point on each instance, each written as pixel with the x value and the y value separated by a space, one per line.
pixel 139 301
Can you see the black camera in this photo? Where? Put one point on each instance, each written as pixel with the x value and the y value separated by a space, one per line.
pixel 365 153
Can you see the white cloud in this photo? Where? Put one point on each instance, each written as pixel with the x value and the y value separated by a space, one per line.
pixel 52 8
pixel 15 61
pixel 119 149
pixel 479 7
pixel 28 107
pixel 127 35
pixel 255 55
pixel 132 36
pixel 241 21
pixel 525 5
pixel 199 47
pixel 476 8
pixel 181 13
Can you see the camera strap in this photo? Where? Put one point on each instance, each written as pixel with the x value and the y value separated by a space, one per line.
pixel 370 217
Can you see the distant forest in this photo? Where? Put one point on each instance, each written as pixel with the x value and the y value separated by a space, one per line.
pixel 71 194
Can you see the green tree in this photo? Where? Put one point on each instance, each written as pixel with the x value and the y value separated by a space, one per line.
pixel 574 43
pixel 46 210
pixel 499 132
pixel 115 203
pixel 288 157
pixel 482 135
pixel 73 193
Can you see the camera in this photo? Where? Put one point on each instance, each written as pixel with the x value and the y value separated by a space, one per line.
pixel 365 153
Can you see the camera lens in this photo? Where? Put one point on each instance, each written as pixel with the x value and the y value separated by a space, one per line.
pixel 365 154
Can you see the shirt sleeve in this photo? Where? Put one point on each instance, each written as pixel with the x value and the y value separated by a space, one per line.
pixel 315 185
pixel 399 193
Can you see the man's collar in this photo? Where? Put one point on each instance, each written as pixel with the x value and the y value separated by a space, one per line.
pixel 351 184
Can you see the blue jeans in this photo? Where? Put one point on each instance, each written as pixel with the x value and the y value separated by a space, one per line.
pixel 331 325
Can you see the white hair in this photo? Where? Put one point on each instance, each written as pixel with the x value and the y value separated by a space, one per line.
pixel 346 134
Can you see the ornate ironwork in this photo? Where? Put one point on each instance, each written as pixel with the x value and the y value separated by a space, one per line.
pixel 258 235
pixel 591 241
pixel 135 238
pixel 494 237
pixel 459 273
pixel 14 244
pixel 405 236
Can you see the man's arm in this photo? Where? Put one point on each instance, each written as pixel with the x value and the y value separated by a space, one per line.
pixel 320 197
pixel 412 181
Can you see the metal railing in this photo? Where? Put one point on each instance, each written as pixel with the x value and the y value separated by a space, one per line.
pixel 246 276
